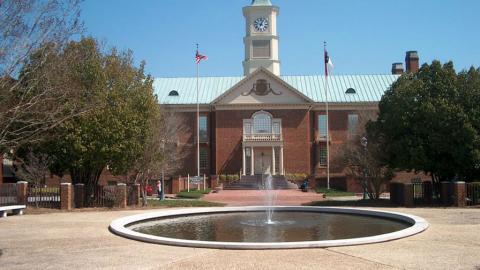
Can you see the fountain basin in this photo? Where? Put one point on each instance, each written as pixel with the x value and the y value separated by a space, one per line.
pixel 212 226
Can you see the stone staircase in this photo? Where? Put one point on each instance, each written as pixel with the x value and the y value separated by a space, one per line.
pixel 255 182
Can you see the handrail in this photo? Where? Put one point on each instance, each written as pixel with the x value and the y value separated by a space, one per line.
pixel 262 137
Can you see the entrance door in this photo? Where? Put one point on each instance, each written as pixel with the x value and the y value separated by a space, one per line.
pixel 263 160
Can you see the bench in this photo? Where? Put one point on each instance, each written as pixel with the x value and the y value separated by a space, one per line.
pixel 16 210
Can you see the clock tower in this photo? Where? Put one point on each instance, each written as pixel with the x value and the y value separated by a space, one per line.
pixel 261 39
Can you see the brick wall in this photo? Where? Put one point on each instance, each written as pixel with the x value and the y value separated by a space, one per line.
pixel 296 133
pixel 228 134
pixel 187 143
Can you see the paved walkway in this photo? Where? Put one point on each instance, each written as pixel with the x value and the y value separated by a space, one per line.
pixel 81 240
pixel 257 197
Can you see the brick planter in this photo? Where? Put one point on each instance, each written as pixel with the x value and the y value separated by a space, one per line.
pixel 66 196
pixel 22 192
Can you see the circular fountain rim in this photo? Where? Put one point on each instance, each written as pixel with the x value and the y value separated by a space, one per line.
pixel 119 227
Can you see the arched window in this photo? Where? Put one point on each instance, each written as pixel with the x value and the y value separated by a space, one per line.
pixel 173 93
pixel 350 91
pixel 262 122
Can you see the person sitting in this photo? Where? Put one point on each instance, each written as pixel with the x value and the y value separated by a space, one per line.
pixel 304 186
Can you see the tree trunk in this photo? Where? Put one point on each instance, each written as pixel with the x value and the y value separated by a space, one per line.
pixel 88 177
pixel 140 178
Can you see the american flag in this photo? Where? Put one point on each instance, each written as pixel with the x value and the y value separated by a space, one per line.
pixel 199 57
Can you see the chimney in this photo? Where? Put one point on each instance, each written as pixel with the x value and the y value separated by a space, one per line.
pixel 397 68
pixel 411 61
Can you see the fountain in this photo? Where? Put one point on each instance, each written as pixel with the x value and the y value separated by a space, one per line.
pixel 270 198
pixel 256 227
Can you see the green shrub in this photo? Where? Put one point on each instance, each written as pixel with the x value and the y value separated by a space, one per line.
pixel 296 177
pixel 193 194
pixel 189 195
pixel 229 178
pixel 222 178
pixel 236 177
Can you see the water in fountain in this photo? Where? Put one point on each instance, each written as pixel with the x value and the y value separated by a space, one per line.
pixel 270 198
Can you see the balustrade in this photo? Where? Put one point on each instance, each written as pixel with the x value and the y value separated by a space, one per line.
pixel 262 137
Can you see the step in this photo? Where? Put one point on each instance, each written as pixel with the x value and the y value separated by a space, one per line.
pixel 254 182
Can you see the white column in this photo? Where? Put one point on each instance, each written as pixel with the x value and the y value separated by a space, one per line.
pixel 244 163
pixel 252 163
pixel 282 170
pixel 273 160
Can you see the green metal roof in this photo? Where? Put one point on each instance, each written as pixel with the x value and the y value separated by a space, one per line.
pixel 368 88
pixel 261 3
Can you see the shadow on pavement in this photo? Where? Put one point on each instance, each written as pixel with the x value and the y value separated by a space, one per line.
pixel 353 203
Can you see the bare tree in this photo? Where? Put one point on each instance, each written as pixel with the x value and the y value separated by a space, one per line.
pixel 33 168
pixel 361 156
pixel 32 91
pixel 162 154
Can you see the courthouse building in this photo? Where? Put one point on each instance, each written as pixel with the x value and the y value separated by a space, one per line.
pixel 265 122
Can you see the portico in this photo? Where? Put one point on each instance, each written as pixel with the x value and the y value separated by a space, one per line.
pixel 262 146
pixel 263 160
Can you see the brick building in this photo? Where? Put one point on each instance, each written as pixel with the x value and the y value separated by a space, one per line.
pixel 267 123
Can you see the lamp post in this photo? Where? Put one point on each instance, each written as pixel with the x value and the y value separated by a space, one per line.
pixel 364 143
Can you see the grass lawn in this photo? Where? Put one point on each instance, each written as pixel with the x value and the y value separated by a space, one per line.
pixel 333 192
pixel 182 203
pixel 193 194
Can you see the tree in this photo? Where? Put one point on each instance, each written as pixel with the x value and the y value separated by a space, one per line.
pixel 112 134
pixel 33 168
pixel 161 154
pixel 469 87
pixel 31 104
pixel 425 122
pixel 362 157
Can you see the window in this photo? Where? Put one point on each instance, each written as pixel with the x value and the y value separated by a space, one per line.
pixel 322 158
pixel 203 129
pixel 173 93
pixel 352 124
pixel 277 161
pixel 350 91
pixel 247 128
pixel 248 159
pixel 322 125
pixel 276 128
pixel 247 152
pixel 203 158
pixel 261 48
pixel 262 123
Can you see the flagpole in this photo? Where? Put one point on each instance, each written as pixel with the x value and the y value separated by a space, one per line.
pixel 198 120
pixel 326 111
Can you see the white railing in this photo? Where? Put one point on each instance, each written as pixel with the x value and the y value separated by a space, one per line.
pixel 262 137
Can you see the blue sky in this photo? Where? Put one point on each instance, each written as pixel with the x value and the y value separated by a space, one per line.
pixel 364 36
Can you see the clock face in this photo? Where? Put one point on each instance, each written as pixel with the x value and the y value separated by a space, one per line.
pixel 261 24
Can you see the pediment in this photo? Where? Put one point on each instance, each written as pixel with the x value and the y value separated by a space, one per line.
pixel 262 87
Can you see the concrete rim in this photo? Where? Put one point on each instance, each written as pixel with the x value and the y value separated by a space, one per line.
pixel 119 227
